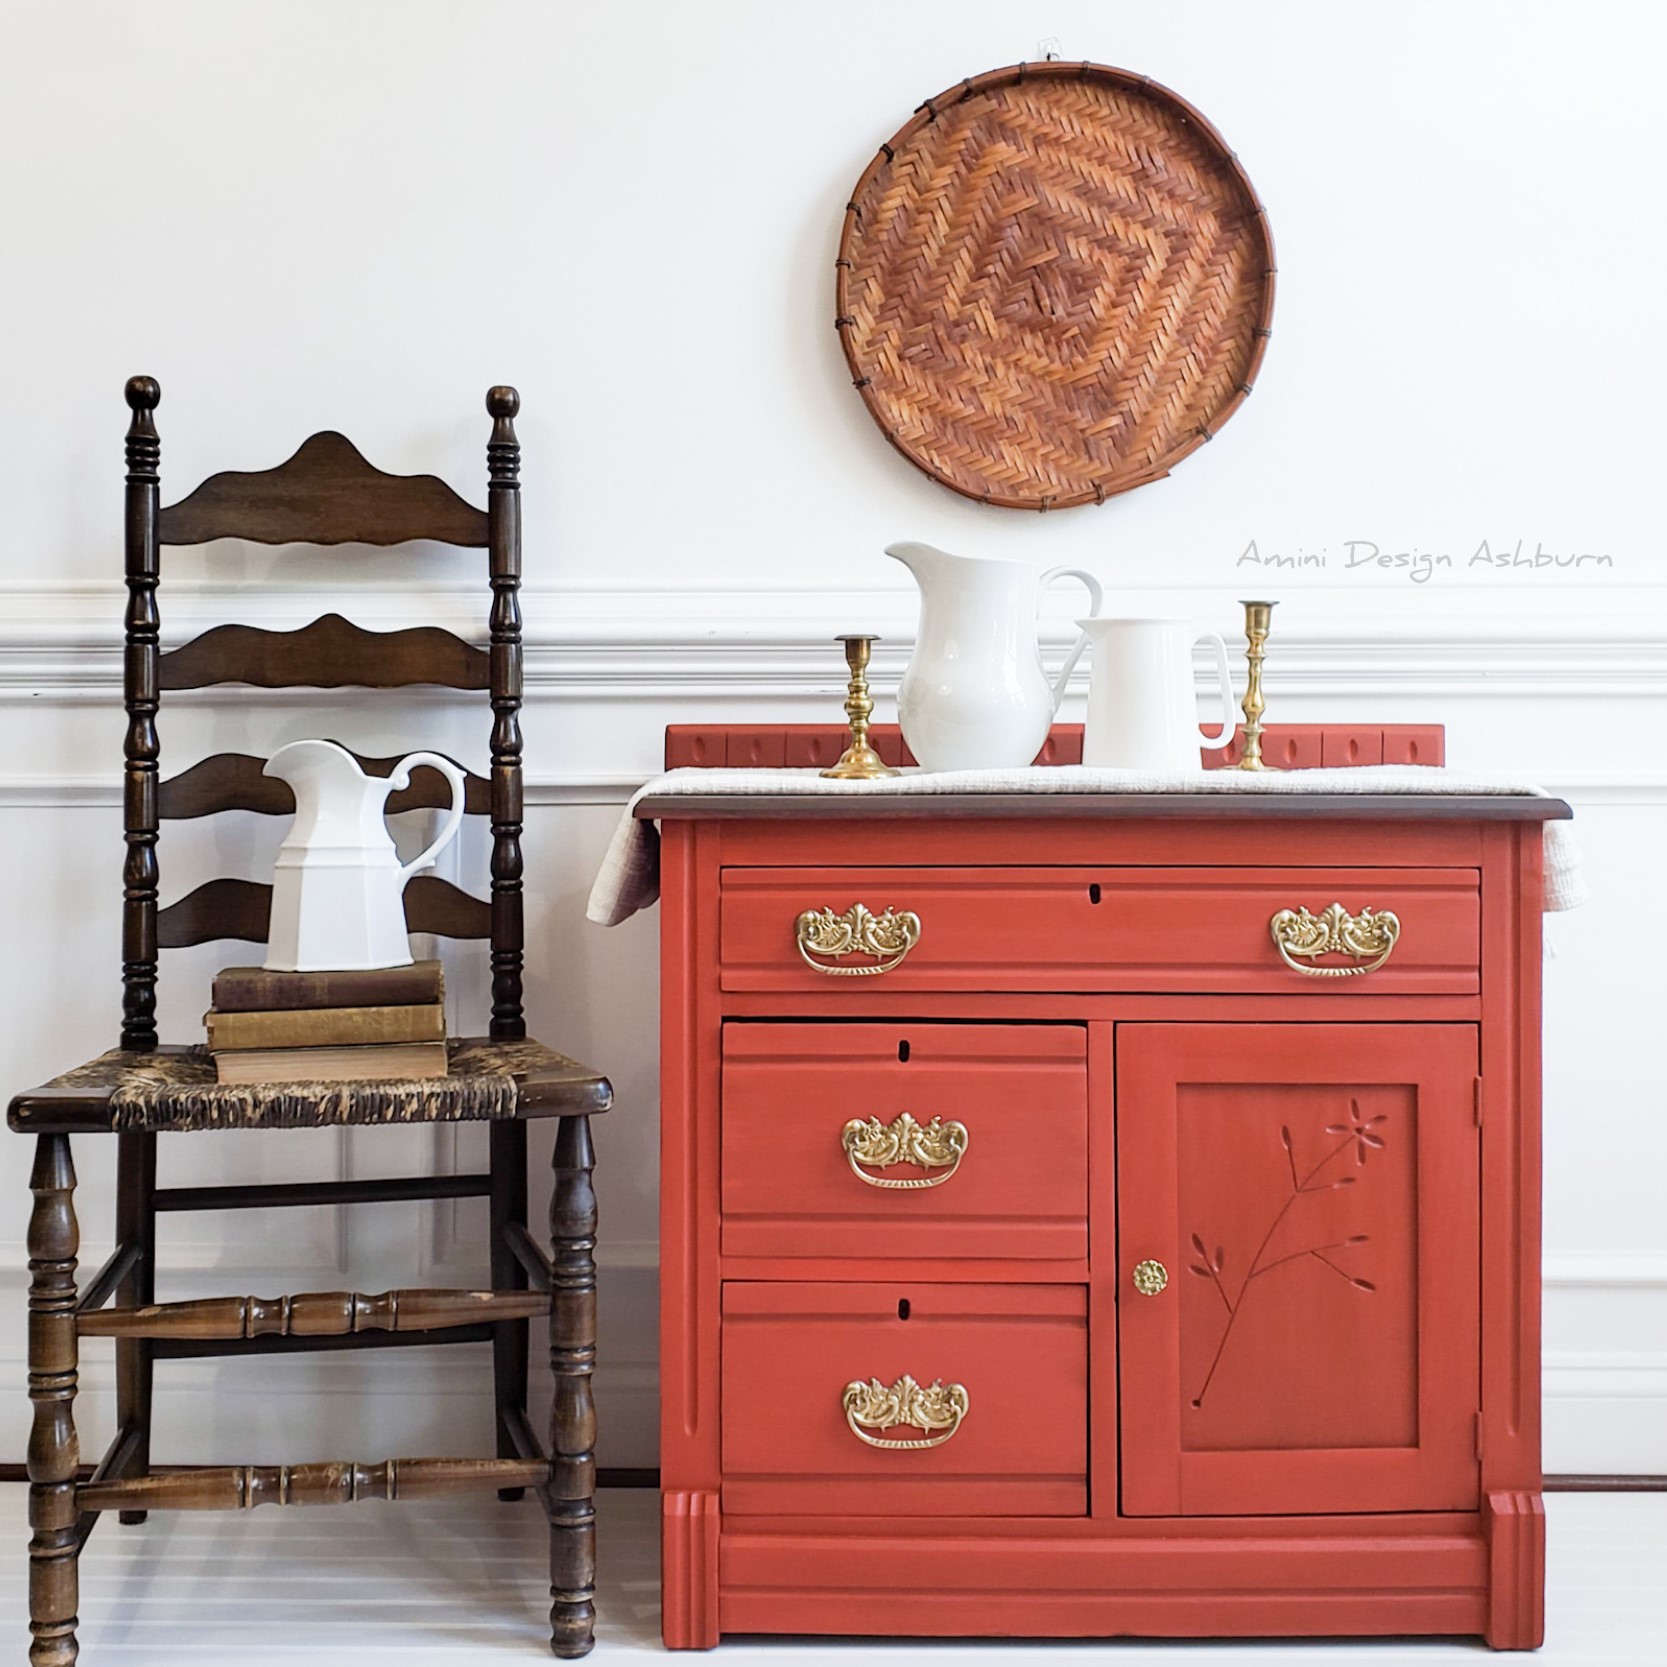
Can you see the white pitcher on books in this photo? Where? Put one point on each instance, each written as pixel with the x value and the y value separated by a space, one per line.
pixel 338 890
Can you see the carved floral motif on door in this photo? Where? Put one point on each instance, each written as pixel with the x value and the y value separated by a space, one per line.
pixel 1358 1136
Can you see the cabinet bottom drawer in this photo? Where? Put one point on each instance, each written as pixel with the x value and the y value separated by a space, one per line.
pixel 912 1399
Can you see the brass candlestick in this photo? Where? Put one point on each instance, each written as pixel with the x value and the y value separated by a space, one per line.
pixel 859 761
pixel 1257 618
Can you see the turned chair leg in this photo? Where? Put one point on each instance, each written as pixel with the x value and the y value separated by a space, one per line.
pixel 136 1220
pixel 508 1168
pixel 54 1544
pixel 572 1494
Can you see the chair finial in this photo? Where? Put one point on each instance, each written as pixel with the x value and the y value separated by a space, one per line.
pixel 503 450
pixel 144 393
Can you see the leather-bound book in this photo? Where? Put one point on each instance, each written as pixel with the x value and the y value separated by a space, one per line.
pixel 255 990
pixel 325 1027
pixel 398 1059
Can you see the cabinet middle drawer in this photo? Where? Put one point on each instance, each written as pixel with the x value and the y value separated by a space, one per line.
pixel 1240 930
pixel 914 1141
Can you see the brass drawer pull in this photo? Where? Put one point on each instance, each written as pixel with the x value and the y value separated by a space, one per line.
pixel 939 1409
pixel 1371 933
pixel 937 1145
pixel 888 938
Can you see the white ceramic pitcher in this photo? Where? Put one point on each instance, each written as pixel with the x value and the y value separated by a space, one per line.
pixel 1142 704
pixel 975 696
pixel 338 891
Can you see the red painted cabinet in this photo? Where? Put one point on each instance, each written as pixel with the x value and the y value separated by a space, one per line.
pixel 1122 1222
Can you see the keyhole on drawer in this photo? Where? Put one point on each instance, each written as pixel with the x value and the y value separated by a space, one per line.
pixel 902 1053
pixel 902 1308
pixel 1094 892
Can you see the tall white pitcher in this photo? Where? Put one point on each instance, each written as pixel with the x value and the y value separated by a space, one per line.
pixel 975 696
pixel 1142 705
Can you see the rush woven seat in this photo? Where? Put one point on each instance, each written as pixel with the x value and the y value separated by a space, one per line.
pixel 175 1088
pixel 1053 283
pixel 146 1094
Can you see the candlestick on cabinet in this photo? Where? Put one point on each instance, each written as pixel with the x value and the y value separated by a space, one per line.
pixel 859 761
pixel 1257 618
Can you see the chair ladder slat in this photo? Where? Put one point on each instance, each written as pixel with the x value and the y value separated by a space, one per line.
pixel 216 909
pixel 437 906
pixel 234 781
pixel 327 493
pixel 330 653
pixel 242 909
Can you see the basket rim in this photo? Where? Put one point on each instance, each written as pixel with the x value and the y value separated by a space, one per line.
pixel 925 114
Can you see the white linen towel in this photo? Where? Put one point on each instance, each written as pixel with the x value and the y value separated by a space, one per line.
pixel 629 878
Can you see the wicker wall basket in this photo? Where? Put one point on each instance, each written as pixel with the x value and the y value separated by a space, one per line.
pixel 1053 284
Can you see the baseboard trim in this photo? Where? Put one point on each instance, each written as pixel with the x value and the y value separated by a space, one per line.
pixel 646 1476
pixel 1605 1484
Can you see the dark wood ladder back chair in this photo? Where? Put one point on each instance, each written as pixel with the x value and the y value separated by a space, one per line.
pixel 325 494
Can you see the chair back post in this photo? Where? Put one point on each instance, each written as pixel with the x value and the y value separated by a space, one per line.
pixel 140 692
pixel 503 507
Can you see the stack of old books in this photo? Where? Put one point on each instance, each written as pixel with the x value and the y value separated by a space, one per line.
pixel 328 1026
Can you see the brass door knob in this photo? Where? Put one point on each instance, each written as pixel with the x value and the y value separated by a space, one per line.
pixel 1150 1277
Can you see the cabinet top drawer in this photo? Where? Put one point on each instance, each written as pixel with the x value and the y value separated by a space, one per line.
pixel 1402 931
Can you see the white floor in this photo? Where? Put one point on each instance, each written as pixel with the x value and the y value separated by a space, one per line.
pixel 464 1583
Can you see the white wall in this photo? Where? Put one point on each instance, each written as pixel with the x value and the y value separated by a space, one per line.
pixel 308 215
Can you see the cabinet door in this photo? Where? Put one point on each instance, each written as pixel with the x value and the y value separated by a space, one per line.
pixel 1312 1192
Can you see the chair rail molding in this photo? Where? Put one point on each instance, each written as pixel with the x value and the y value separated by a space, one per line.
pixel 1552 642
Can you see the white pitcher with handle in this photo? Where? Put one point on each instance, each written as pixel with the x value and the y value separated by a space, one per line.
pixel 975 696
pixel 1142 704
pixel 338 891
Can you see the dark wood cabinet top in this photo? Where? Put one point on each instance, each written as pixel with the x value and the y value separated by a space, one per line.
pixel 1200 806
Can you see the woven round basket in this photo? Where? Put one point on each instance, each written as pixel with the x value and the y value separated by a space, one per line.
pixel 1053 284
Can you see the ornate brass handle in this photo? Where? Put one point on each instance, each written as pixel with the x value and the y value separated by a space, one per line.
pixel 1372 932
pixel 939 1145
pixel 888 938
pixel 938 1410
